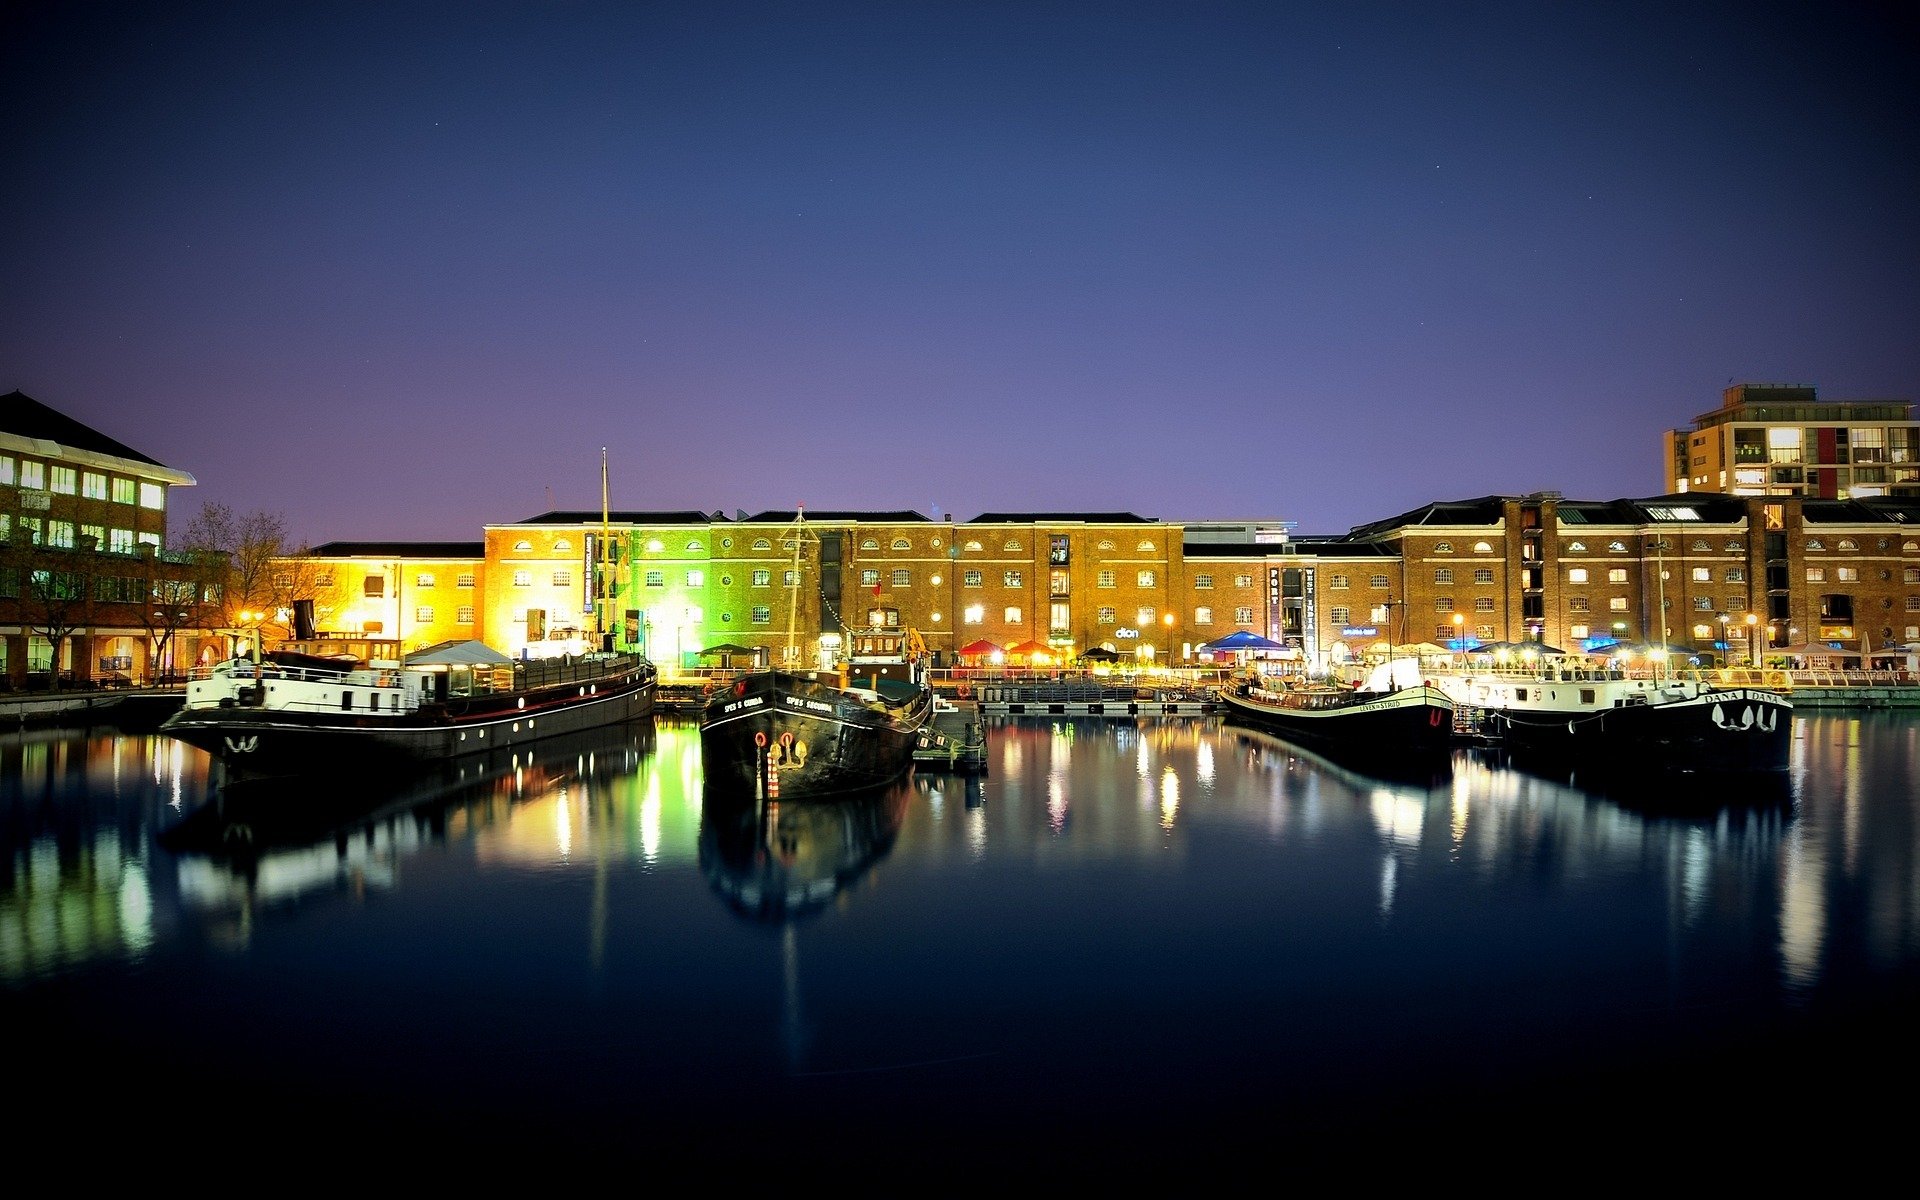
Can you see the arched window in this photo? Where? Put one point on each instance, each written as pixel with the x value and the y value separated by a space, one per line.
pixel 1483 548
pixel 561 545
pixel 1103 544
pixel 762 544
pixel 522 547
pixel 1734 547
pixel 1443 547
pixel 694 546
pixel 1145 546
pixel 902 544
pixel 974 546
pixel 1702 547
pixel 1572 547
pixel 655 546
pixel 1849 544
pixel 1011 544
pixel 1815 544
pixel 869 543
pixel 1617 547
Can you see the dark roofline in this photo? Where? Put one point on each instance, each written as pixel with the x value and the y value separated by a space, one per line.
pixel 23 416
pixel 687 516
pixel 398 550
pixel 786 516
pixel 1060 518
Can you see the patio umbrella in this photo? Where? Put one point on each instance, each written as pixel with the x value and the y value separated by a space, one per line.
pixel 1099 654
pixel 1029 649
pixel 1242 639
pixel 1516 648
pixel 980 649
pixel 726 648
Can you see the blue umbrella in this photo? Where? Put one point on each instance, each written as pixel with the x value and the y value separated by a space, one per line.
pixel 1243 640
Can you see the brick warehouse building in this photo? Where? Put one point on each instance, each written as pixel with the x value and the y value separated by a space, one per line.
pixel 1497 568
pixel 1689 568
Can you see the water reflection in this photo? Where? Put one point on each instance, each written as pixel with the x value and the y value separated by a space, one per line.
pixel 776 862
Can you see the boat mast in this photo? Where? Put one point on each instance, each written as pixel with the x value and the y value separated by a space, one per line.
pixel 600 561
pixel 793 588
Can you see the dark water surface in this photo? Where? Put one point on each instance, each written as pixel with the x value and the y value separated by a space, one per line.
pixel 1171 944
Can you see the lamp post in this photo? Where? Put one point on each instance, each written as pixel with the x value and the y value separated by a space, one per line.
pixel 1724 646
pixel 1460 633
pixel 1753 651
pixel 1167 620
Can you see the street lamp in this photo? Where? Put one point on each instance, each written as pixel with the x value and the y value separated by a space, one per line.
pixel 1460 633
pixel 1167 620
pixel 1725 646
pixel 1753 651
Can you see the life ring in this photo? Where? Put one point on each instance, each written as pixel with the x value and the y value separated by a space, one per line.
pixel 963 691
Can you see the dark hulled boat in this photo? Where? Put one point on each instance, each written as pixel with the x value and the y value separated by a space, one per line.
pixel 1565 712
pixel 794 734
pixel 1391 724
pixel 310 707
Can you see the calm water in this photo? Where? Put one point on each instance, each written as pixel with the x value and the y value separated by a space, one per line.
pixel 1126 942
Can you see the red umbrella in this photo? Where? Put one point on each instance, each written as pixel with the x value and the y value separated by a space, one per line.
pixel 1029 649
pixel 979 649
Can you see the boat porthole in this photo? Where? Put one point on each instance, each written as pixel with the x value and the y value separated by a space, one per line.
pixel 583 691
pixel 523 702
pixel 529 722
pixel 516 727
pixel 593 690
pixel 463 735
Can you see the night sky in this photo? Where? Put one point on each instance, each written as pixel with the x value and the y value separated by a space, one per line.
pixel 397 271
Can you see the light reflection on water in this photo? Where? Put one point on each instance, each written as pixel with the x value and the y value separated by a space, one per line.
pixel 1244 898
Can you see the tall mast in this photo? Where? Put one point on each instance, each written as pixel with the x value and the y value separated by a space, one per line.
pixel 793 589
pixel 600 560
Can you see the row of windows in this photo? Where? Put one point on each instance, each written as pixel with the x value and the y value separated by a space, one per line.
pixel 37 531
pixel 35 476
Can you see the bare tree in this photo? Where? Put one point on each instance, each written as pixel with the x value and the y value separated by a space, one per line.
pixel 251 575
pixel 55 586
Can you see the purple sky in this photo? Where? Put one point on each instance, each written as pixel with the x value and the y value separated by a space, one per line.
pixel 398 271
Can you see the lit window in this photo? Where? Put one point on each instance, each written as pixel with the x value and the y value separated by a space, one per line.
pixel 1105 616
pixel 465 581
pixel 1203 616
pixel 1010 544
pixel 120 541
pixel 1145 547
pixel 902 544
pixel 1572 547
pixel 93 485
pixel 1243 615
pixel 463 615
pixel 761 578
pixel 1011 578
pixel 1143 617
pixel 1576 604
pixel 1013 616
pixel 696 578
pixel 1203 581
pixel 1736 574
pixel 1703 574
pixel 124 491
pixel 869 543
pixel 1104 579
pixel 760 614
pixel 1618 604
pixel 1577 632
pixel 523 547
pixel 153 496
pixel 1338 582
pixel 1443 547
pixel 869 578
pixel 1484 548
pixel 1339 616
pixel 1483 575
pixel 423 579
pixel 902 579
pixel 562 545
pixel 970 578
pixel 1616 547
pixel 1145 579
pixel 33 475
pixel 563 579
pixel 1616 574
pixel 1243 581
pixel 1443 575
pixel 974 614
pixel 1483 604
pixel 423 614
pixel 1376 581
pixel 1816 574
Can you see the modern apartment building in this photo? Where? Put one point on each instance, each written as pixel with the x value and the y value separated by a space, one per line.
pixel 1783 440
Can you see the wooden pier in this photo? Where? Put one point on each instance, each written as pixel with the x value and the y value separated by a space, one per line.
pixel 956 742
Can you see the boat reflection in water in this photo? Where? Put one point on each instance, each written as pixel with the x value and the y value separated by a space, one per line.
pixel 1652 792
pixel 267 839
pixel 776 862
pixel 1355 767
